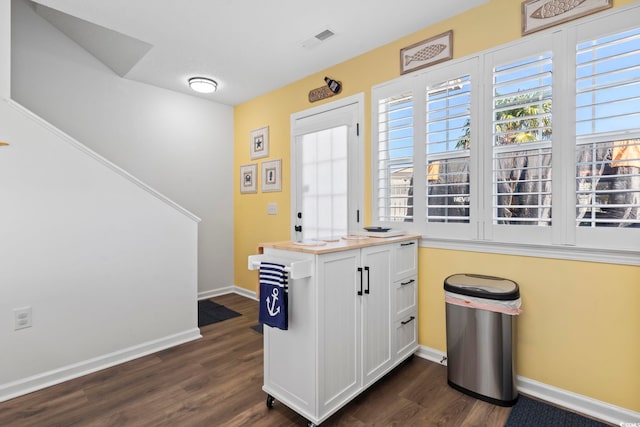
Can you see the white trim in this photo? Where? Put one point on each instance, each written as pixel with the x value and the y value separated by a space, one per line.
pixel 556 396
pixel 539 251
pixel 228 290
pixel 57 376
pixel 86 150
pixel 245 293
pixel 215 292
pixel 356 157
pixel 432 355
pixel 577 402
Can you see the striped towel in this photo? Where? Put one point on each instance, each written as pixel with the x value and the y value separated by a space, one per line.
pixel 274 295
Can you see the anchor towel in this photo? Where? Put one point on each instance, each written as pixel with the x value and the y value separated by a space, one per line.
pixel 274 295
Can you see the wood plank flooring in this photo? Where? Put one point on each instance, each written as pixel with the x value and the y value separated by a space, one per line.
pixel 217 381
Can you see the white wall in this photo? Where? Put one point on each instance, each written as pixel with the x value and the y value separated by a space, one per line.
pixel 180 145
pixel 108 268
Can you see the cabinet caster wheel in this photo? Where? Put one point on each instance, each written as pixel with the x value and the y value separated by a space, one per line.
pixel 270 401
pixel 310 424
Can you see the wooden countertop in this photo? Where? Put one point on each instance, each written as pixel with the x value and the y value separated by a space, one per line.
pixel 336 246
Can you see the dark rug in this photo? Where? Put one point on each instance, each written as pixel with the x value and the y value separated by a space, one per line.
pixel 258 328
pixel 209 312
pixel 533 413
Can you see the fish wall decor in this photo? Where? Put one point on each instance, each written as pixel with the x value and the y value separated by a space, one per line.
pixel 540 14
pixel 426 52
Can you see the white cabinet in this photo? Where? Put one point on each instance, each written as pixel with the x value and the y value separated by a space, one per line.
pixel 350 322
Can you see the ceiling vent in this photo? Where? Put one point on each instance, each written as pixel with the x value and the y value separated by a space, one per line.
pixel 322 36
pixel 318 38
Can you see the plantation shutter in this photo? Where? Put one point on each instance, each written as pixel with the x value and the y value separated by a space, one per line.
pixel 608 131
pixel 447 151
pixel 395 158
pixel 522 140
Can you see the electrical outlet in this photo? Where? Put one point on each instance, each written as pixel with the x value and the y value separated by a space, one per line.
pixel 22 318
pixel 272 208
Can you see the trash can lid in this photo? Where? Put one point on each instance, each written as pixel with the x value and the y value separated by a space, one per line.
pixel 479 286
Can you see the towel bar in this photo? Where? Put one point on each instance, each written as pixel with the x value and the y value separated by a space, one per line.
pixel 297 268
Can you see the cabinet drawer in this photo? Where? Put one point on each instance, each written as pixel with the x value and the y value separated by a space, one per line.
pixel 406 296
pixel 407 335
pixel 406 259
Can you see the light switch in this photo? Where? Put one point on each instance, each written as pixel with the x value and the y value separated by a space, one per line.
pixel 272 208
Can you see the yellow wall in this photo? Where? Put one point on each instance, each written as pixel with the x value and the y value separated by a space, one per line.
pixel 580 330
pixel 580 325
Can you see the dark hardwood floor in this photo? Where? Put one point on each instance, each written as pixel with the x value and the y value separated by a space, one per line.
pixel 217 381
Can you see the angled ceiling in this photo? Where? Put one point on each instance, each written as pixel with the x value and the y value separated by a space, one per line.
pixel 250 47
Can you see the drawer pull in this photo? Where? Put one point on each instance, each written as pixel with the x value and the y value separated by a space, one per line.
pixel 411 319
pixel 407 244
pixel 407 283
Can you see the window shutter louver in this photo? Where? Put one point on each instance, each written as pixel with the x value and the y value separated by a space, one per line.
pixel 522 140
pixel 447 151
pixel 608 131
pixel 395 158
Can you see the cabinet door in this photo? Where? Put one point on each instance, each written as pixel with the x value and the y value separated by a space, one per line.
pixel 406 336
pixel 339 311
pixel 406 297
pixel 406 259
pixel 376 311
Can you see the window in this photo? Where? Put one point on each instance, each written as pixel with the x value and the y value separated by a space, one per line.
pixel 522 142
pixel 447 151
pixel 608 131
pixel 479 141
pixel 395 158
pixel 325 171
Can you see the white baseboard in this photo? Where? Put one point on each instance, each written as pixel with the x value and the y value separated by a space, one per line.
pixel 557 396
pixel 577 402
pixel 432 355
pixel 215 292
pixel 57 376
pixel 245 293
pixel 228 290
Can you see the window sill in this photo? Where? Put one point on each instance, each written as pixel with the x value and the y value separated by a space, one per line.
pixel 607 256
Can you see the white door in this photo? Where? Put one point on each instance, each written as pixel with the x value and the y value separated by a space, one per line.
pixel 326 172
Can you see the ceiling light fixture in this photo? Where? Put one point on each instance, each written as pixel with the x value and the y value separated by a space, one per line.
pixel 203 84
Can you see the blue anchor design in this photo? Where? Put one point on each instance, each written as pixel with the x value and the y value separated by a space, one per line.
pixel 274 294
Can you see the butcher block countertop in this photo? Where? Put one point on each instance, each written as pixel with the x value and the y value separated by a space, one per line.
pixel 335 245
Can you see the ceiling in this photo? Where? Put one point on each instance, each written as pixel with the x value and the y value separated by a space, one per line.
pixel 250 47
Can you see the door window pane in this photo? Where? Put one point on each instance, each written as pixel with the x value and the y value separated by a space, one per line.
pixel 324 183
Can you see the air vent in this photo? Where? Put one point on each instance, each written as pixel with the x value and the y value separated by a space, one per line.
pixel 324 35
pixel 319 38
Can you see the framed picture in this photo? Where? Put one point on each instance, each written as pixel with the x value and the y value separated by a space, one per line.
pixel 248 178
pixel 260 143
pixel 272 176
pixel 541 14
pixel 427 52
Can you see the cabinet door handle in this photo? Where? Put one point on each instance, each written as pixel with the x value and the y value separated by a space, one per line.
pixel 366 291
pixel 360 271
pixel 407 244
pixel 411 319
pixel 406 283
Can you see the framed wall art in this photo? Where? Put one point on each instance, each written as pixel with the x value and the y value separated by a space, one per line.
pixel 541 14
pixel 427 52
pixel 272 176
pixel 248 178
pixel 260 143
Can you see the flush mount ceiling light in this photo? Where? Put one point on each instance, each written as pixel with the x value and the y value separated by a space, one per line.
pixel 203 84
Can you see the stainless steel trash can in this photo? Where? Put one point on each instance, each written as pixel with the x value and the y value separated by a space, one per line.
pixel 480 316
